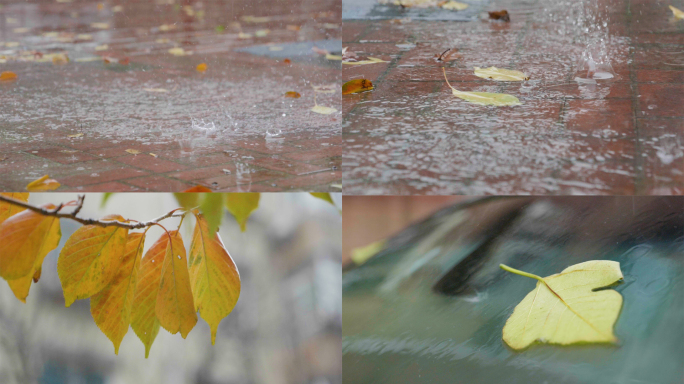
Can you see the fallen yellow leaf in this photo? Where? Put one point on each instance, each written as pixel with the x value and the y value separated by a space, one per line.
pixel 178 51
pixel 454 5
pixel 45 183
pixel 7 76
pixel 355 86
pixel 244 35
pixel 262 33
pixel 677 13
pixel 117 8
pixel 60 58
pixel 133 151
pixel 499 74
pixel 323 110
pixel 159 90
pixel 100 25
pixel 292 94
pixel 201 67
pixel 20 30
pixel 330 56
pixel 484 98
pixel 76 135
pixel 566 308
pixel 153 154
pixel 371 60
pixel 102 47
pixel 253 19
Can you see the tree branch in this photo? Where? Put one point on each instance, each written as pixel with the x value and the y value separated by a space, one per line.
pixel 79 204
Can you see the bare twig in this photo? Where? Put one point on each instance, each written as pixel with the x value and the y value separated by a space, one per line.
pixel 79 204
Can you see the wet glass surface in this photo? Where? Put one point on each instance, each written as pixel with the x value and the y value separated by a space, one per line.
pixel 431 307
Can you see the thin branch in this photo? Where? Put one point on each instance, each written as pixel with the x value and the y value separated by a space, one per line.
pixel 79 204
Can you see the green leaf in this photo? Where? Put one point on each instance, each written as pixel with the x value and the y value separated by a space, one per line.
pixel 241 206
pixel 212 209
pixel 105 198
pixel 323 196
pixel 188 200
pixel 566 308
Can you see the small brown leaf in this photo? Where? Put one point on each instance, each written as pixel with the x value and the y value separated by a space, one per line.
pixel 293 95
pixel 287 61
pixel 500 15
pixel 356 86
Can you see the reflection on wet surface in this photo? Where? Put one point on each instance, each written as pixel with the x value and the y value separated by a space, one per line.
pixel 131 81
pixel 601 112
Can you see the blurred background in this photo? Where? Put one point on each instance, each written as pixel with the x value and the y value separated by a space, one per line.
pixel 286 327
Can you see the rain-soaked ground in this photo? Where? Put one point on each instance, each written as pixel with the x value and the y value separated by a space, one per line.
pixel 623 135
pixel 131 110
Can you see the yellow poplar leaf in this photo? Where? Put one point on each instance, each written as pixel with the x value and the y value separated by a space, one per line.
pixel 111 307
pixel 8 210
pixel 371 60
pixel 484 98
pixel 90 259
pixel 26 238
pixel 45 183
pixel 175 308
pixel 241 205
pixel 143 317
pixel 499 74
pixel 677 13
pixel 323 110
pixel 566 308
pixel 356 86
pixel 454 5
pixel 214 277
pixel 201 67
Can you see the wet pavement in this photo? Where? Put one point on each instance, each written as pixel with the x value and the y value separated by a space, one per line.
pixel 130 110
pixel 623 135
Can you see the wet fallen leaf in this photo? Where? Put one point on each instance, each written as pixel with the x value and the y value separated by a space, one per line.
pixel 100 25
pixel 87 59
pixel 371 60
pixel 100 6
pixel 201 67
pixel 356 86
pixel 102 47
pixel 499 74
pixel 162 41
pixel 159 90
pixel 567 308
pixel 60 59
pixel 153 155
pixel 454 6
pixel 75 136
pixel 330 56
pixel 499 15
pixel 677 13
pixel 448 55
pixel 117 8
pixel 198 188
pixel 84 36
pixel 293 95
pixel 484 98
pixel 3 158
pixel 7 76
pixel 45 183
pixel 133 151
pixel 323 110
pixel 293 27
pixel 287 61
pixel 262 33
pixel 166 27
pixel 178 51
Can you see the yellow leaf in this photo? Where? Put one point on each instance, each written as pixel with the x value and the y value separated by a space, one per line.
pixel 454 5
pixel 102 47
pixel 565 308
pixel 20 30
pixel 75 136
pixel 484 98
pixel 45 183
pixel 213 275
pixel 292 94
pixel 371 60
pixel 26 238
pixel 111 307
pixel 330 56
pixel 8 210
pixel 323 110
pixel 244 35
pixel 262 33
pixel 7 76
pixel 178 51
pixel 499 74
pixel 133 151
pixel 241 205
pixel 201 67
pixel 325 196
pixel 174 308
pixel 90 259
pixel 158 90
pixel 677 13
pixel 153 155
pixel 143 317
pixel 356 86
pixel 253 19
pixel 212 208
pixel 100 25
pixel 362 254
pixel 59 58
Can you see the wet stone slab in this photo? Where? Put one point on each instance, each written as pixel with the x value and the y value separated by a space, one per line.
pixel 623 135
pixel 131 82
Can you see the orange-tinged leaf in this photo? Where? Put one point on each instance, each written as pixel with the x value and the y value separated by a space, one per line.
pixel 241 206
pixel 355 86
pixel 8 210
pixel 213 275
pixel 90 259
pixel 198 188
pixel 7 76
pixel 45 183
pixel 143 318
pixel 26 238
pixel 287 61
pixel 293 95
pixel 175 309
pixel 111 307
pixel 202 67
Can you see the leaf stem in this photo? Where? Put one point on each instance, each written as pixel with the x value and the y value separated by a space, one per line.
pixel 521 273
pixel 447 80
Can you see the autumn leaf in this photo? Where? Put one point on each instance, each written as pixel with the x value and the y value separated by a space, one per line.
pixel 500 15
pixel 156 90
pixel 26 238
pixel 8 210
pixel 99 25
pixel 356 86
pixel 677 13
pixel 143 317
pixel 484 98
pixel 323 110
pixel 178 51
pixel 566 308
pixel 212 208
pixel 325 196
pixel 201 67
pixel 214 277
pixel 198 188
pixel 454 5
pixel 7 76
pixel 371 60
pixel 90 259
pixel 133 151
pixel 499 74
pixel 294 95
pixel 241 205
pixel 45 183
pixel 174 308
pixel 111 308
